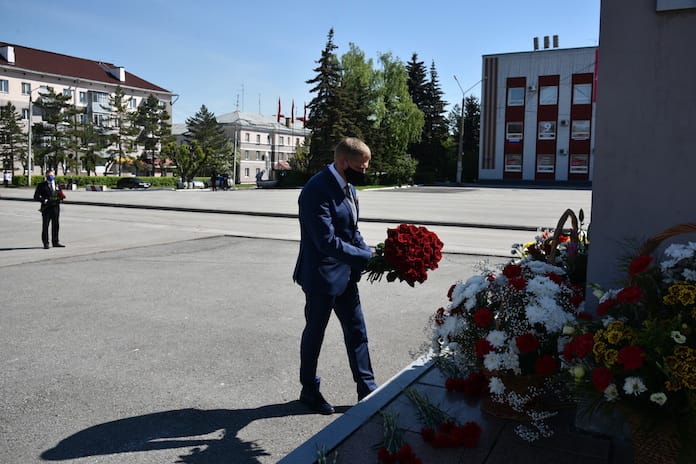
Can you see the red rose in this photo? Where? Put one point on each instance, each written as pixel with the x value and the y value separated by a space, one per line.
pixel 483 317
pixel 601 378
pixel 527 343
pixel 555 278
pixel 512 270
pixel 472 434
pixel 604 307
pixel 563 238
pixel 631 357
pixel 545 365
pixel 631 294
pixel 482 347
pixel 640 264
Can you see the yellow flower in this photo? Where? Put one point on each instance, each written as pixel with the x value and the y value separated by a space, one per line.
pixel 681 293
pixel 614 336
pixel 610 357
pixel 598 349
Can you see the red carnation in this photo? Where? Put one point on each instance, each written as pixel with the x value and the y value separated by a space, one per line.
pixel 545 365
pixel 483 317
pixel 527 343
pixel 512 270
pixel 583 345
pixel 555 278
pixel 427 433
pixel 482 347
pixel 632 294
pixel 631 357
pixel 577 299
pixel 640 264
pixel 604 307
pixel 518 282
pixel 601 378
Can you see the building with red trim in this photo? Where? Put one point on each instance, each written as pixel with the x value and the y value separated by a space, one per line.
pixel 537 115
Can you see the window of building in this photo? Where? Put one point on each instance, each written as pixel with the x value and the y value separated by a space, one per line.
pixel 258 139
pixel 4 86
pixel 545 163
pixel 25 113
pixel 83 97
pixel 246 154
pixel 258 155
pixel 100 97
pixel 246 136
pixel 579 164
pixel 132 102
pixel 582 94
pixel 282 140
pixel 547 130
pixel 515 96
pixel 548 95
pixel 268 139
pixel 67 92
pixel 514 131
pixel 258 171
pixel 246 172
pixel 101 120
pixel 513 163
pixel 580 130
pixel 26 88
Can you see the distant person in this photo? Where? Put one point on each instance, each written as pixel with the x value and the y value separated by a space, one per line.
pixel 50 195
pixel 332 257
pixel 213 181
pixel 6 179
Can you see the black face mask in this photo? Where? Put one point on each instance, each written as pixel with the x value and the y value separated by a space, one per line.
pixel 354 177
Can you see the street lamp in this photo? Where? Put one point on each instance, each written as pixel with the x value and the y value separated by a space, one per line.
pixel 460 157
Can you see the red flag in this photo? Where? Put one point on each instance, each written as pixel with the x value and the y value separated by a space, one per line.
pixel 292 115
pixel 278 116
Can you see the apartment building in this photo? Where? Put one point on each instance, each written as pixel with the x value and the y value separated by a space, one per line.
pixel 538 113
pixel 25 71
pixel 263 143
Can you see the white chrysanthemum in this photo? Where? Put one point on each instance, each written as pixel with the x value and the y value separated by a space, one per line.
pixel 606 320
pixel 451 326
pixel 658 398
pixel 492 361
pixel 678 337
pixel 611 393
pixel 511 360
pixel 543 286
pixel 609 294
pixel 679 251
pixel 466 292
pixel 496 386
pixel 634 386
pixel 689 274
pixel 547 312
pixel 561 342
pixel 542 268
pixel 496 338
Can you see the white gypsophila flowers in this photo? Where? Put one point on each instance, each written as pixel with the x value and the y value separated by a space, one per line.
pixel 689 274
pixel 510 359
pixel 611 393
pixel 609 294
pixel 658 398
pixel 542 268
pixel 496 338
pixel 549 313
pixel 493 361
pixel 634 386
pixel 466 292
pixel 496 386
pixel 451 326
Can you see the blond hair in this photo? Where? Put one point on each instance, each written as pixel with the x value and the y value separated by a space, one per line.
pixel 352 148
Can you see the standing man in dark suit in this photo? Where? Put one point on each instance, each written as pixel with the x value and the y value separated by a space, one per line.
pixel 50 196
pixel 332 256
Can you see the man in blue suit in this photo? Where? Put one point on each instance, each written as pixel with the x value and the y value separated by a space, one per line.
pixel 332 257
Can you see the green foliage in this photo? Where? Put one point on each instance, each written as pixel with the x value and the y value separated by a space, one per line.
pixel 189 159
pixel 151 119
pixel 13 140
pixel 120 140
pixel 204 129
pixel 83 181
pixel 52 131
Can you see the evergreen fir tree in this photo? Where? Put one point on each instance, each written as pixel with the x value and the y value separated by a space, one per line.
pixel 325 118
pixel 52 130
pixel 204 129
pixel 120 136
pixel 13 141
pixel 152 121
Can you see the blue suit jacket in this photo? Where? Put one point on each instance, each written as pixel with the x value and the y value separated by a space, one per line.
pixel 332 251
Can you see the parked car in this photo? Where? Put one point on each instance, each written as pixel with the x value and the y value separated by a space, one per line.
pixel 132 183
pixel 194 184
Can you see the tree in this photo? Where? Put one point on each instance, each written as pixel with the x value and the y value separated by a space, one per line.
pixel 398 121
pixel 151 119
pixel 52 130
pixel 13 141
pixel 188 158
pixel 204 129
pixel 122 131
pixel 357 85
pixel 325 118
pixel 472 130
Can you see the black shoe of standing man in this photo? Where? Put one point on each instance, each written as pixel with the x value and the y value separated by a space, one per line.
pixel 58 245
pixel 316 402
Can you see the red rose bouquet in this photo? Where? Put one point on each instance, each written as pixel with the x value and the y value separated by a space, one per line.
pixel 407 254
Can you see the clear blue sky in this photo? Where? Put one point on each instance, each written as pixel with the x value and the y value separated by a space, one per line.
pixel 245 55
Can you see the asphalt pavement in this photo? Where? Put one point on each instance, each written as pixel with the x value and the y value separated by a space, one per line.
pixel 160 335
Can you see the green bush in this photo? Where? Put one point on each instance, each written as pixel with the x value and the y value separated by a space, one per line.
pixel 83 181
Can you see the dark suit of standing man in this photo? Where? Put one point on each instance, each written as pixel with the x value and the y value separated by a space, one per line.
pixel 50 196
pixel 332 256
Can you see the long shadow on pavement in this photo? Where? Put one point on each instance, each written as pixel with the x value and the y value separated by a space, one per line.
pixel 176 429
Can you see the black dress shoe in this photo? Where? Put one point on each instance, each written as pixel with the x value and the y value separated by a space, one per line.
pixel 58 245
pixel 317 403
pixel 46 247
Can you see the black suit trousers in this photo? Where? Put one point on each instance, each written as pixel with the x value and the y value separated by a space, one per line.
pixel 50 215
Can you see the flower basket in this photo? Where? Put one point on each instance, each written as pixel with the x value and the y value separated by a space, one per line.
pixel 524 390
pixel 653 243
